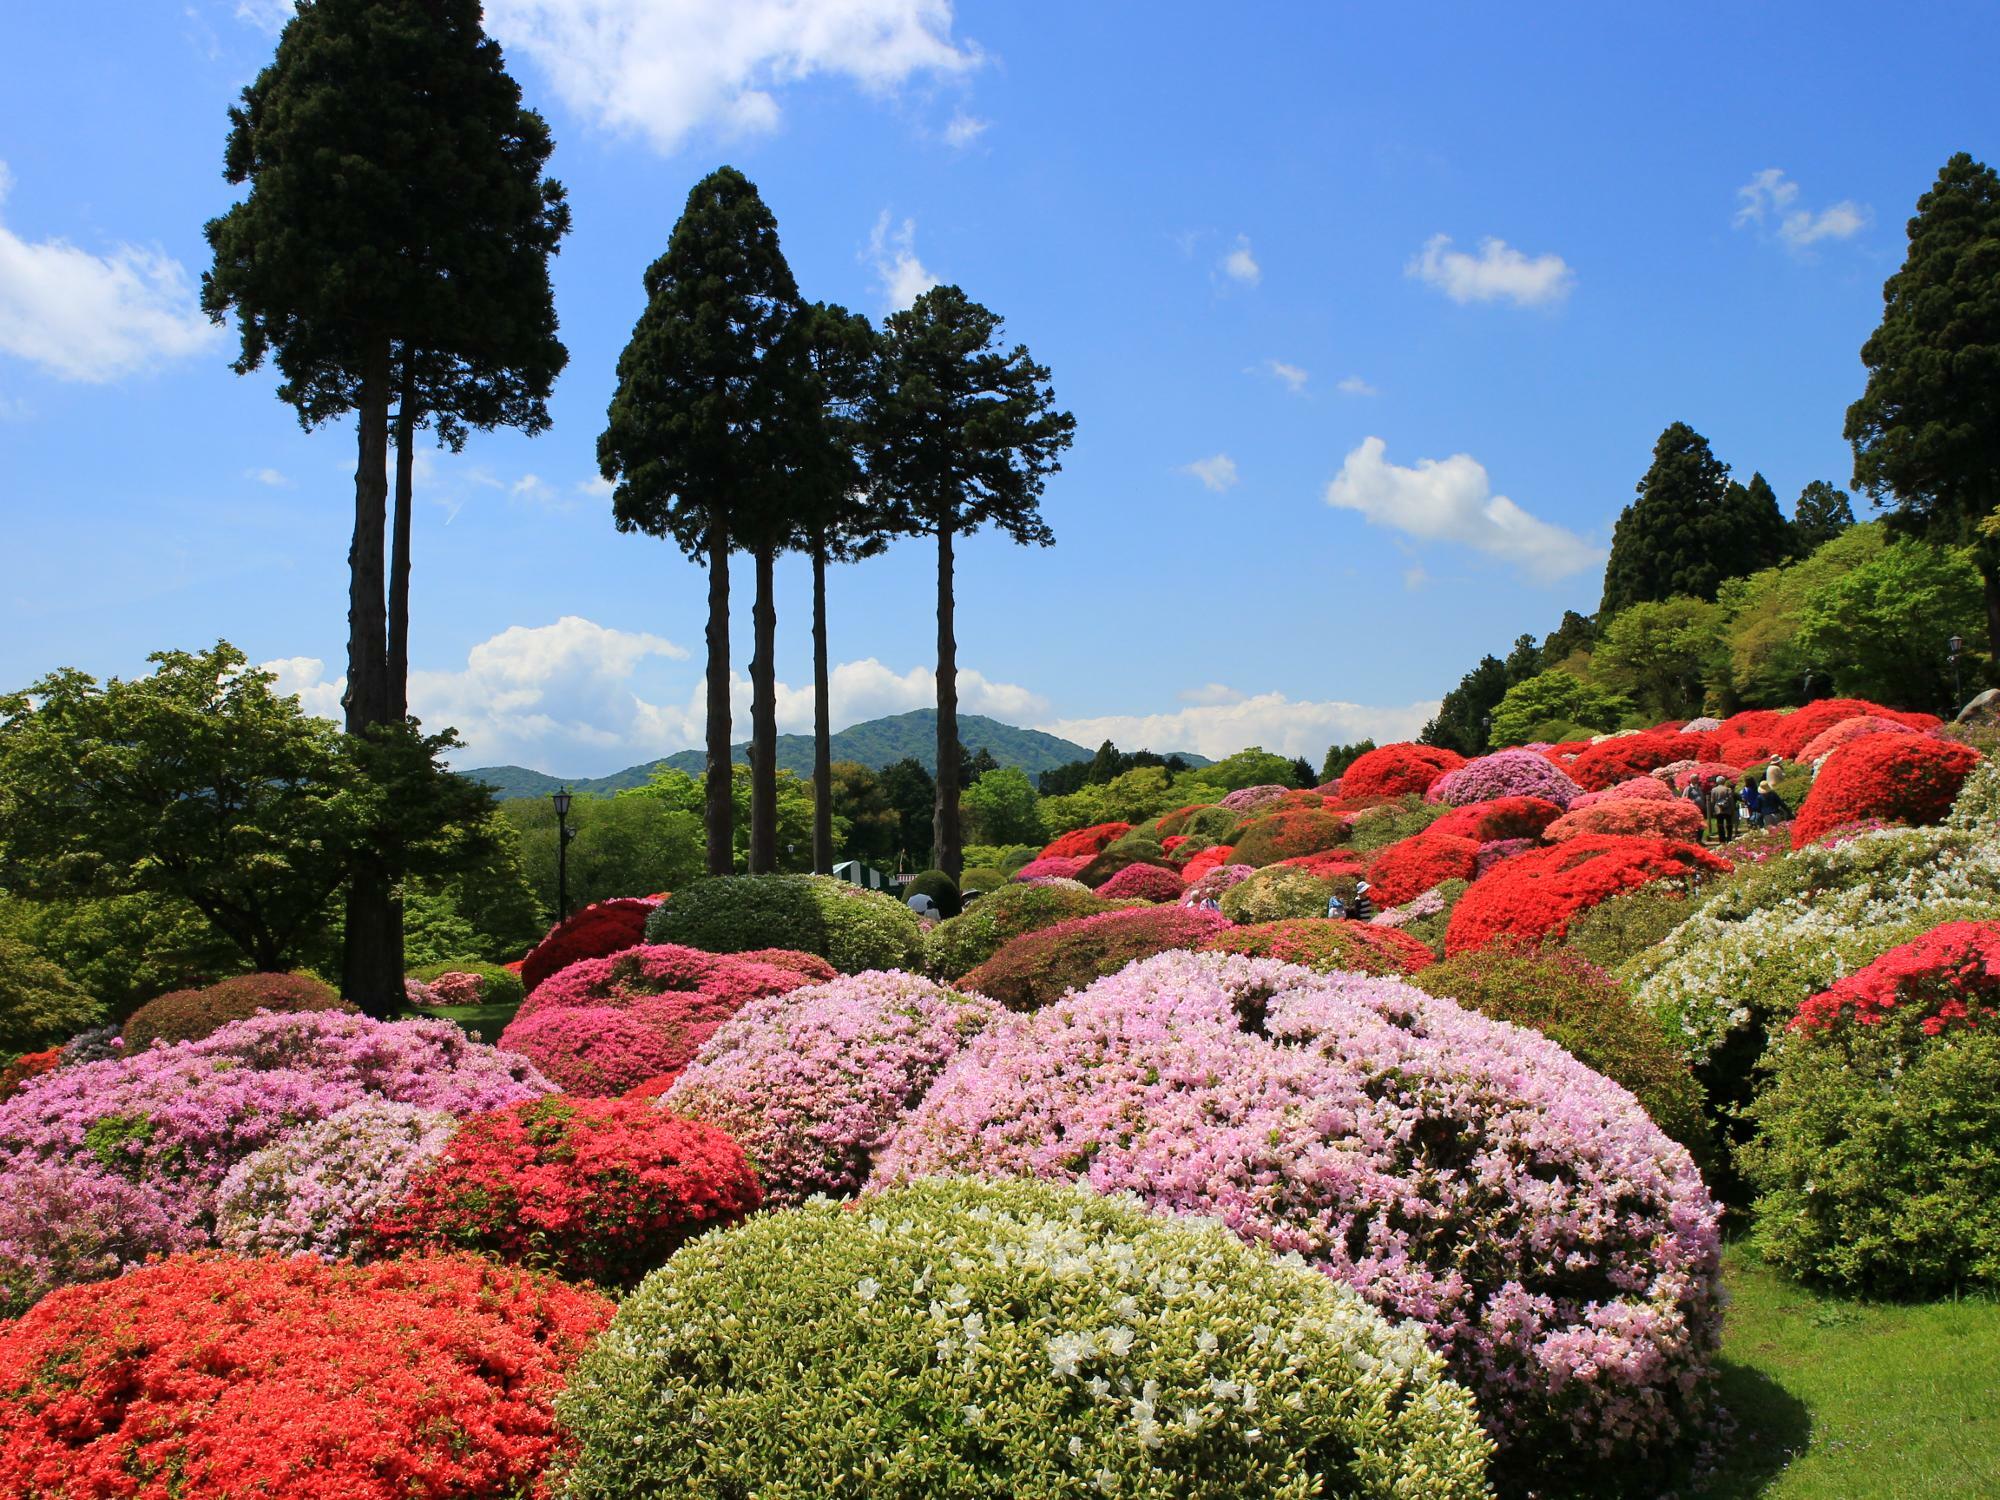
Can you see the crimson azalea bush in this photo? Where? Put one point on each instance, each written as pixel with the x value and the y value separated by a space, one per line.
pixel 1536 895
pixel 1214 857
pixel 1416 864
pixel 1324 944
pixel 600 929
pixel 1505 773
pixel 1624 756
pixel 591 1189
pixel 28 1065
pixel 1397 770
pixel 1469 1176
pixel 1329 865
pixel 190 1015
pixel 808 966
pixel 1874 1158
pixel 1030 971
pixel 1746 738
pixel 226 1378
pixel 811 1083
pixel 1087 842
pixel 1904 778
pixel 1669 818
pixel 1501 818
pixel 1278 836
pixel 1791 732
pixel 1139 882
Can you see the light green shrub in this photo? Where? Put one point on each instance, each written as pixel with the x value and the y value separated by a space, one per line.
pixel 981 878
pixel 1280 891
pixel 1379 827
pixel 954 948
pixel 39 1004
pixel 497 985
pixel 851 928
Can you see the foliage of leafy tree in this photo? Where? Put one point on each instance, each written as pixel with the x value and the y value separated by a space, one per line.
pixel 697 437
pixel 1821 514
pixel 638 842
pixel 912 792
pixel 1925 431
pixel 1661 656
pixel 1766 665
pixel 126 949
pixel 861 801
pixel 1002 807
pixel 1690 528
pixel 1554 698
pixel 1575 633
pixel 1253 767
pixel 1881 628
pixel 1460 722
pixel 1340 757
pixel 964 434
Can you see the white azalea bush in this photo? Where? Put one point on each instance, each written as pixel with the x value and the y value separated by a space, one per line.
pixel 1024 1340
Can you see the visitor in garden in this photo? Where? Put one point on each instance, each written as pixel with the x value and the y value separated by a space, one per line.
pixel 1363 908
pixel 1753 804
pixel 1696 792
pixel 1336 909
pixel 1722 806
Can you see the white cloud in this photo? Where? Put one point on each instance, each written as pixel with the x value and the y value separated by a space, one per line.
pixel 668 69
pixel 1354 385
pixel 1770 198
pixel 1293 377
pixel 1498 273
pixel 1240 265
pixel 892 249
pixel 1218 471
pixel 266 15
pixel 1210 694
pixel 964 129
pixel 277 479
pixel 1451 500
pixel 95 317
pixel 1232 721
pixel 597 487
pixel 305 678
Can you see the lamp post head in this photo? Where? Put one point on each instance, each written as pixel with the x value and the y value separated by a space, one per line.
pixel 1957 644
pixel 561 800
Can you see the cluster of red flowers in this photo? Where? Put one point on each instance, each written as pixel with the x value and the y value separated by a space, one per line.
pixel 210 1375
pixel 1535 895
pixel 1200 863
pixel 1611 761
pixel 1948 977
pixel 1659 818
pixel 1031 970
pixel 1277 836
pixel 1326 945
pixel 1847 730
pixel 1908 778
pixel 1790 733
pixel 1330 864
pixel 1086 843
pixel 1502 818
pixel 1414 865
pixel 27 1065
pixel 603 1189
pixel 1397 771
pixel 1748 737
pixel 1143 882
pixel 601 929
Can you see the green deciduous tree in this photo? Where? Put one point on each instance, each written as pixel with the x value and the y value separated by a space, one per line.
pixel 1253 767
pixel 1821 514
pixel 1766 665
pixel 1002 807
pixel 912 792
pixel 1881 628
pixel 636 843
pixel 1551 700
pixel 1926 431
pixel 1340 757
pixel 1662 655
pixel 963 434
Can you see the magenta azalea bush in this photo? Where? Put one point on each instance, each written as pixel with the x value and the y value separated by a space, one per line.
pixel 812 1082
pixel 1470 1176
pixel 1053 867
pixel 1143 883
pixel 1505 773
pixel 308 1191
pixel 62 1223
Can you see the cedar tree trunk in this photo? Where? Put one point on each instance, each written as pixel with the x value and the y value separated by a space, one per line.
pixel 944 822
pixel 822 747
pixel 763 722
pixel 720 809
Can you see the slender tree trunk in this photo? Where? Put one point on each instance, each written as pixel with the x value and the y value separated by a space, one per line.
pixel 764 722
pixel 822 746
pixel 720 809
pixel 399 550
pixel 1989 573
pixel 372 961
pixel 944 821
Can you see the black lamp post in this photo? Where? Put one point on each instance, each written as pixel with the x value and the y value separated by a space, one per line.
pixel 561 800
pixel 1957 689
pixel 1488 721
pixel 1808 685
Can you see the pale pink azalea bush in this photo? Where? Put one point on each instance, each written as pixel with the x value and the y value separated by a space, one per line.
pixel 810 1084
pixel 1473 1177
pixel 1639 788
pixel 1053 867
pixel 1213 885
pixel 62 1223
pixel 1505 773
pixel 1250 798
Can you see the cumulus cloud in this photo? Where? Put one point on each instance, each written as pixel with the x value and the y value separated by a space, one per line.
pixel 277 479
pixel 1354 385
pixel 1771 199
pixel 95 318
pixel 1238 264
pixel 304 677
pixel 1498 273
pixel 668 69
pixel 1227 721
pixel 1293 377
pixel 892 250
pixel 964 129
pixel 1452 500
pixel 1217 472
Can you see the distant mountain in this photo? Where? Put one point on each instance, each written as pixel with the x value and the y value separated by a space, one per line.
pixel 875 744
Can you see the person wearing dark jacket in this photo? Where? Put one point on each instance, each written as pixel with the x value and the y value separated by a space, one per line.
pixel 1361 908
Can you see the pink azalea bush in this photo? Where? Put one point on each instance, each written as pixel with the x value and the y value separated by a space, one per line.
pixel 1250 798
pixel 1143 883
pixel 1053 867
pixel 1561 1251
pixel 62 1223
pixel 1635 788
pixel 811 1083
pixel 1505 773
pixel 1212 885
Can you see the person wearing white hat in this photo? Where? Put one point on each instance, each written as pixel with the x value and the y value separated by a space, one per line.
pixel 1362 908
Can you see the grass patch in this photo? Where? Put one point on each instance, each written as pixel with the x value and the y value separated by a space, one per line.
pixel 483 1023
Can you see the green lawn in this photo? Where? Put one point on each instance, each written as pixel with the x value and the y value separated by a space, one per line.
pixel 1840 1400
pixel 482 1022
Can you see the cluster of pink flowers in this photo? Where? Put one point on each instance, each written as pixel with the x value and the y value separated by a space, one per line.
pixel 1251 798
pixel 1505 773
pixel 1646 788
pixel 456 987
pixel 811 1083
pixel 1143 883
pixel 1664 818
pixel 1053 867
pixel 1679 773
pixel 1211 885
pixel 1473 1177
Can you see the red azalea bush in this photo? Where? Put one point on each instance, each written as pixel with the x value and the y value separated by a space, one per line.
pixel 1658 818
pixel 1330 864
pixel 190 1015
pixel 1031 970
pixel 1214 857
pixel 601 929
pixel 27 1065
pixel 596 1189
pixel 1746 738
pixel 1501 818
pixel 1563 756
pixel 1848 730
pixel 1536 895
pixel 1792 732
pixel 1173 841
pixel 1271 837
pixel 815 969
pixel 1906 778
pixel 1088 842
pixel 227 1378
pixel 1948 978
pixel 1416 864
pixel 1143 883
pixel 1496 851
pixel 1397 770
pixel 1624 756
pixel 1326 945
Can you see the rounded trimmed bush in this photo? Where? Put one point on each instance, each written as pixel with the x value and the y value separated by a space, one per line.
pixel 1211 822
pixel 1672 818
pixel 1053 867
pixel 1501 818
pixel 40 1005
pixel 1213 884
pixel 1086 843
pixel 595 1189
pixel 1505 773
pixel 598 931
pixel 1143 883
pixel 1113 860
pixel 851 928
pixel 1276 836
pixel 1279 891
pixel 1406 870
pixel 1629 922
pixel 1537 894
pixel 954 948
pixel 811 1083
pixel 1322 945
pixel 1623 756
pixel 1790 733
pixel 210 1375
pixel 481 984
pixel 1031 970
pixel 190 1015
pixel 1204 861
pixel 1465 1174
pixel 1022 1340
pixel 940 887
pixel 1909 779
pixel 1398 770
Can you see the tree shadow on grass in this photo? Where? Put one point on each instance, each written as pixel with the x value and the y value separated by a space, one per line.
pixel 1771 1427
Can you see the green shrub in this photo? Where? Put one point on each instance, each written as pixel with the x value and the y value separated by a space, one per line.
pixel 1434 913
pixel 497 986
pixel 1007 858
pixel 1288 834
pixel 1978 804
pixel 955 948
pixel 1021 1341
pixel 851 928
pixel 190 1015
pixel 1216 824
pixel 1584 1011
pixel 1280 891
pixel 981 878
pixel 1379 827
pixel 937 885
pixel 1114 859
pixel 40 1006
pixel 1630 922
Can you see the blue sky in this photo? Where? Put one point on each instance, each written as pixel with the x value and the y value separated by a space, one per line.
pixel 1320 283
